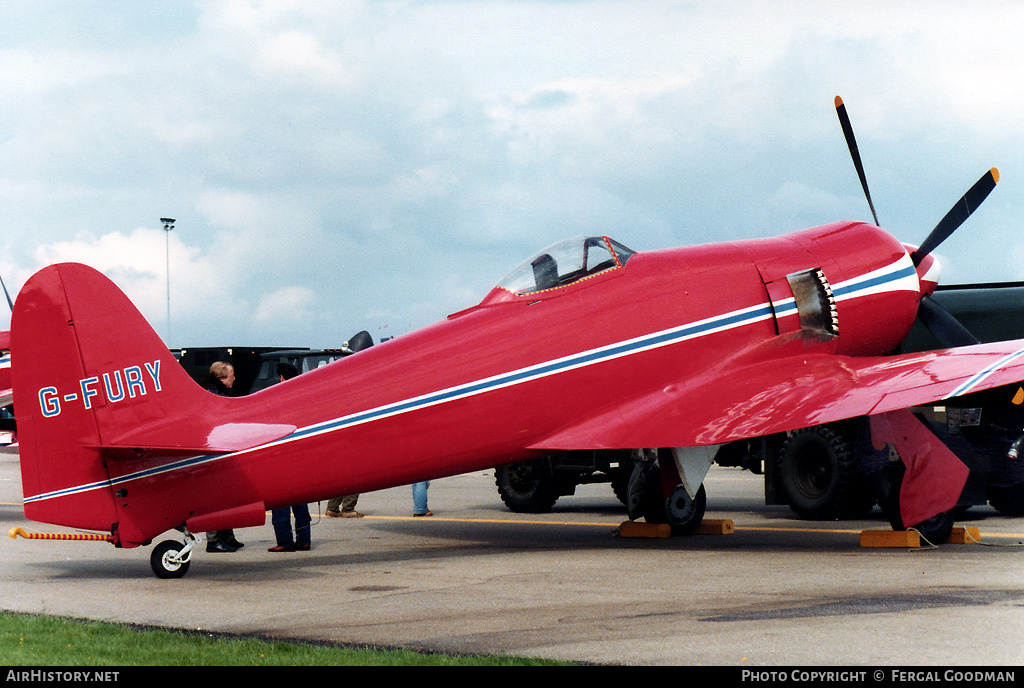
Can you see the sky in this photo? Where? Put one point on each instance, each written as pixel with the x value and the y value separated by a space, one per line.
pixel 336 166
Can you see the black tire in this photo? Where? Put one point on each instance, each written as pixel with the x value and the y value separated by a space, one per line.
pixel 819 476
pixel 935 530
pixel 620 484
pixel 161 561
pixel 644 498
pixel 1008 500
pixel 684 514
pixel 526 487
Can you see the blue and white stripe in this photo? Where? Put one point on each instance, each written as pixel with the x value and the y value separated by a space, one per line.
pixel 987 372
pixel 897 276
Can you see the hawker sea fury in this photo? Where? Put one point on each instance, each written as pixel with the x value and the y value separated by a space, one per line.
pixel 586 346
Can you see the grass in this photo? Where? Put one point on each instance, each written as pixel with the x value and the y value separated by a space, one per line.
pixel 29 640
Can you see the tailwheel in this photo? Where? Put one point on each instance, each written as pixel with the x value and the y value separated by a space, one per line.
pixel 171 559
pixel 685 513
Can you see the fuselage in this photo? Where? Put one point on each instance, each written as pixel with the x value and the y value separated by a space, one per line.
pixel 481 387
pixel 487 385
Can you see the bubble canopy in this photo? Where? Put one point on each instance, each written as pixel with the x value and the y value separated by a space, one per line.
pixel 565 262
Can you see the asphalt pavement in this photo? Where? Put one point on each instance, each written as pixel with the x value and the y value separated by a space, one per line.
pixel 476 578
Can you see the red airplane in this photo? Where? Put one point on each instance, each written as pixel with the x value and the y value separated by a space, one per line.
pixel 588 345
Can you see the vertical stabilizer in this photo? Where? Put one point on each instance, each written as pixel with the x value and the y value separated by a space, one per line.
pixel 87 370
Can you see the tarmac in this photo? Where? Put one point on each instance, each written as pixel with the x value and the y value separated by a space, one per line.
pixel 476 578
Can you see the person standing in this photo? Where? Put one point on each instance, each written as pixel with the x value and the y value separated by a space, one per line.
pixel 419 499
pixel 343 507
pixel 282 522
pixel 281 518
pixel 221 380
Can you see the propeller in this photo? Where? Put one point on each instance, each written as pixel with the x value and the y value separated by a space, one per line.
pixel 946 329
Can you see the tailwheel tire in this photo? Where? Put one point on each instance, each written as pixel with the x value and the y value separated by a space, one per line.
pixel 165 562
pixel 684 514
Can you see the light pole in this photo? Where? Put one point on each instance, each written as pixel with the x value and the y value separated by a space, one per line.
pixel 168 226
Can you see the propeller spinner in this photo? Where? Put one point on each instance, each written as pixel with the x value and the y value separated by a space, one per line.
pixel 940 322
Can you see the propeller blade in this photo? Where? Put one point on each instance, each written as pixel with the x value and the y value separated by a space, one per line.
pixel 9 302
pixel 962 210
pixel 946 329
pixel 851 142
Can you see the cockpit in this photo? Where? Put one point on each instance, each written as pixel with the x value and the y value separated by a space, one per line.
pixel 566 262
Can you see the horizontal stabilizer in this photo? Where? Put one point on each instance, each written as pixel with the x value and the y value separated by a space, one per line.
pixel 168 440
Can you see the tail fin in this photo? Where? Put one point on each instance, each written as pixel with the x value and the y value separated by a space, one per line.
pixel 97 395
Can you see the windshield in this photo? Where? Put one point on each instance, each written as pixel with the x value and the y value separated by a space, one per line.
pixel 566 262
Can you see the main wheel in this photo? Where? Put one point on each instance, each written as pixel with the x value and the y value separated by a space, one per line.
pixel 525 487
pixel 935 530
pixel 164 560
pixel 684 514
pixel 819 476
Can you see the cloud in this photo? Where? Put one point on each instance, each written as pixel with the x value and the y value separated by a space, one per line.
pixel 291 306
pixel 356 165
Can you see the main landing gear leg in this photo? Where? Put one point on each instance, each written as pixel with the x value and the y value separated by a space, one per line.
pixel 171 559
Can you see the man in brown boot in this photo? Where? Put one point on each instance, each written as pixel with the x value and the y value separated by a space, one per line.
pixel 347 507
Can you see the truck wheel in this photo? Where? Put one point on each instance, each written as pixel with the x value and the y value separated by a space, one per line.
pixel 684 514
pixel 525 487
pixel 620 484
pixel 164 560
pixel 819 476
pixel 1008 500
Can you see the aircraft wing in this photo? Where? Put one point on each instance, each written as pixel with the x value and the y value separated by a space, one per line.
pixel 749 396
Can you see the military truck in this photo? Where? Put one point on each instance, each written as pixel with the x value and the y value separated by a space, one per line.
pixel 246 361
pixel 305 360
